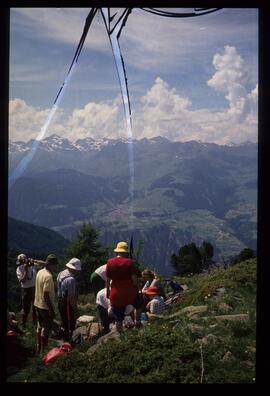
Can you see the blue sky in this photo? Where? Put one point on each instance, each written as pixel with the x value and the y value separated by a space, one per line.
pixel 189 78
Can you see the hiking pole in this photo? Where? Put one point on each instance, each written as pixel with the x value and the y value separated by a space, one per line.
pixel 68 317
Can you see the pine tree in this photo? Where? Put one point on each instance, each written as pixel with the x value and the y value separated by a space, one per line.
pixel 192 259
pixel 86 247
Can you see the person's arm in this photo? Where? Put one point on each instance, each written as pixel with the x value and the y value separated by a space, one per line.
pixel 108 283
pixel 148 306
pixel 38 263
pixel 49 304
pixel 22 273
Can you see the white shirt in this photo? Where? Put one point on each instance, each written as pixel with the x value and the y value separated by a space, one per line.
pixel 157 305
pixel 30 279
pixel 101 271
pixel 102 300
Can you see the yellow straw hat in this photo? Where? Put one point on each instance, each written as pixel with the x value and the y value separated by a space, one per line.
pixel 122 247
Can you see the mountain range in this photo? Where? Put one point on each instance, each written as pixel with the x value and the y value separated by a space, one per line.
pixel 183 192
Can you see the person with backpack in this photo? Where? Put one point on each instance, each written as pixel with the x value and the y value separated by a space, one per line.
pixel 68 296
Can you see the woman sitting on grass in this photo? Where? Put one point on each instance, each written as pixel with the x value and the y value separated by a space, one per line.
pixel 156 303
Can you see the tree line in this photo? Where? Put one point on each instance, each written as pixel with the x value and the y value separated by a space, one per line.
pixel 195 259
pixel 189 259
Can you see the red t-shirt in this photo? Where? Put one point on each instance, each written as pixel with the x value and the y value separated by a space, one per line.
pixel 120 270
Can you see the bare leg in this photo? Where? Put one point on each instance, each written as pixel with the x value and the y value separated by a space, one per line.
pixel 138 317
pixel 119 326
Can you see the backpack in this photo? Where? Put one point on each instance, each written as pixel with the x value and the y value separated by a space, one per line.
pixel 176 287
pixel 59 287
pixel 174 299
pixel 54 353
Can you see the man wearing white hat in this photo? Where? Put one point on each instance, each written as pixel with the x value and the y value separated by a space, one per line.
pixel 68 296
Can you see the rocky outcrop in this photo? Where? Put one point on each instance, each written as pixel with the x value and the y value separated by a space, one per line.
pixel 237 317
pixel 113 335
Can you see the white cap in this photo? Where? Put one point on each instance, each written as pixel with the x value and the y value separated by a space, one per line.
pixel 21 257
pixel 74 264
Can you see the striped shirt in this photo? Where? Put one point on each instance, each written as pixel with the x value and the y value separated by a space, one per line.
pixel 157 305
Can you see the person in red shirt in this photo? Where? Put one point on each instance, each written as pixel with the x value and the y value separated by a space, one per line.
pixel 123 286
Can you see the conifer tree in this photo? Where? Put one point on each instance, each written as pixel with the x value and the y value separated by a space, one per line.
pixel 86 247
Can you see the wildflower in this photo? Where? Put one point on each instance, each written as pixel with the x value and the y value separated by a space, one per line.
pixel 209 295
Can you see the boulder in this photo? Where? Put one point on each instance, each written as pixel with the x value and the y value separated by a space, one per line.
pixel 102 340
pixel 220 318
pixel 210 338
pixel 224 307
pixel 228 357
pixel 193 310
pixel 84 319
pixel 94 331
pixel 194 328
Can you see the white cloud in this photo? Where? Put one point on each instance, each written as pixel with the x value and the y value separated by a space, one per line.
pixel 162 111
pixel 63 25
pixel 230 77
pixel 95 119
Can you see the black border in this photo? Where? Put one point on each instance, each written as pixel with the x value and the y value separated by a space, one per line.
pixel 263 272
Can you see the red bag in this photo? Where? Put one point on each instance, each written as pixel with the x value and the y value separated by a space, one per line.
pixel 12 334
pixel 54 353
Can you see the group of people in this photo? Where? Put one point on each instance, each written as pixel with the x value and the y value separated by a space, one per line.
pixel 38 291
pixel 119 288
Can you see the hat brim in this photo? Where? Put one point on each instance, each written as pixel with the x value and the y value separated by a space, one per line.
pixel 121 251
pixel 70 266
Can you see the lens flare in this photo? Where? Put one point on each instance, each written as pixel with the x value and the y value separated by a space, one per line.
pixel 23 164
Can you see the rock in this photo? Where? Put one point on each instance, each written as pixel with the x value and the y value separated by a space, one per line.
pixel 224 307
pixel 80 330
pixel 250 350
pixel 248 364
pixel 102 340
pixel 85 319
pixel 210 338
pixel 194 328
pixel 221 290
pixel 240 317
pixel 94 330
pixel 184 287
pixel 227 357
pixel 192 310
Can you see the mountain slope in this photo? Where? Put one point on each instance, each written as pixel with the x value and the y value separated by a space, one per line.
pixel 28 238
pixel 183 192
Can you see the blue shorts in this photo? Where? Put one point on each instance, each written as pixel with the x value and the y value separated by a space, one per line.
pixel 119 312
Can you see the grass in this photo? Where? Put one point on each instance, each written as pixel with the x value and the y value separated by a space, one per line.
pixel 170 350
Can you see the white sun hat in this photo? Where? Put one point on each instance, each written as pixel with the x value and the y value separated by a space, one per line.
pixel 74 264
